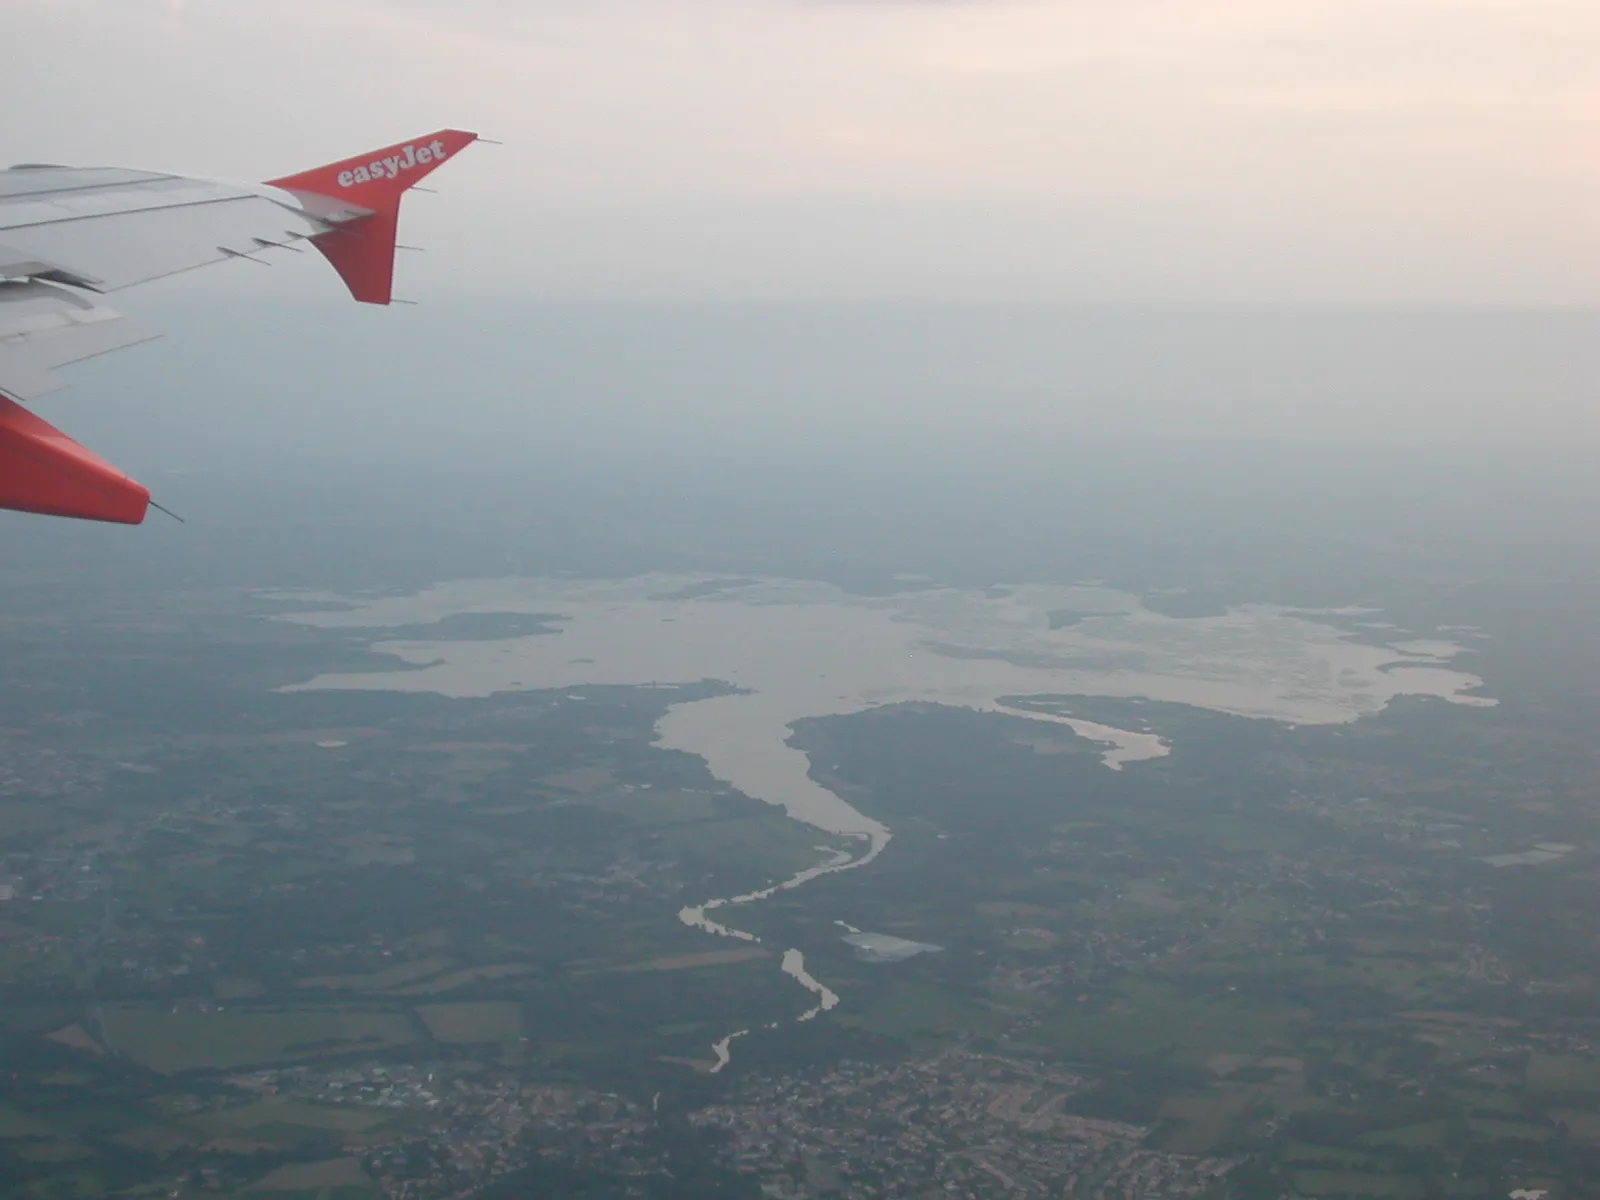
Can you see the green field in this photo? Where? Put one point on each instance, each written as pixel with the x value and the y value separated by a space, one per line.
pixel 1206 1117
pixel 1310 1155
pixel 1556 1073
pixel 14 1124
pixel 374 981
pixel 345 1174
pixel 468 1023
pixel 1516 1131
pixel 168 1042
pixel 917 1012
pixel 1429 1133
pixel 246 1120
pixel 1354 1183
pixel 458 979
pixel 78 1183
pixel 1150 1020
pixel 1583 1126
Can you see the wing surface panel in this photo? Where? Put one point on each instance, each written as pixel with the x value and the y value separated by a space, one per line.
pixel 36 180
pixel 109 230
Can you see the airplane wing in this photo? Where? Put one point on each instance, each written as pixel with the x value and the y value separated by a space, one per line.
pixel 69 235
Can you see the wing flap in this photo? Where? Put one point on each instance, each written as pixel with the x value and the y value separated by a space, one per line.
pixel 120 248
pixel 43 327
pixel 106 229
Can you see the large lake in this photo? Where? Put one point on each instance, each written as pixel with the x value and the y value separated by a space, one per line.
pixel 800 649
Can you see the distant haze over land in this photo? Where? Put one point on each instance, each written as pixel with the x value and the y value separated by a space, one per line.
pixel 311 380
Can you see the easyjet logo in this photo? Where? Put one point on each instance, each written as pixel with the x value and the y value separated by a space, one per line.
pixel 391 167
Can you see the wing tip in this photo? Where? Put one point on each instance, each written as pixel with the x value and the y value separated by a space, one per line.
pixel 362 249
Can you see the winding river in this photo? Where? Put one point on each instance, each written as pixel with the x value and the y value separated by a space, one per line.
pixel 794 962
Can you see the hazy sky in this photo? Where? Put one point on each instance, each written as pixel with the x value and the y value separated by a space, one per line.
pixel 1069 149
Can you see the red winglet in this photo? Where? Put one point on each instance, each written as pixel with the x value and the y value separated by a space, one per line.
pixel 362 251
pixel 42 470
